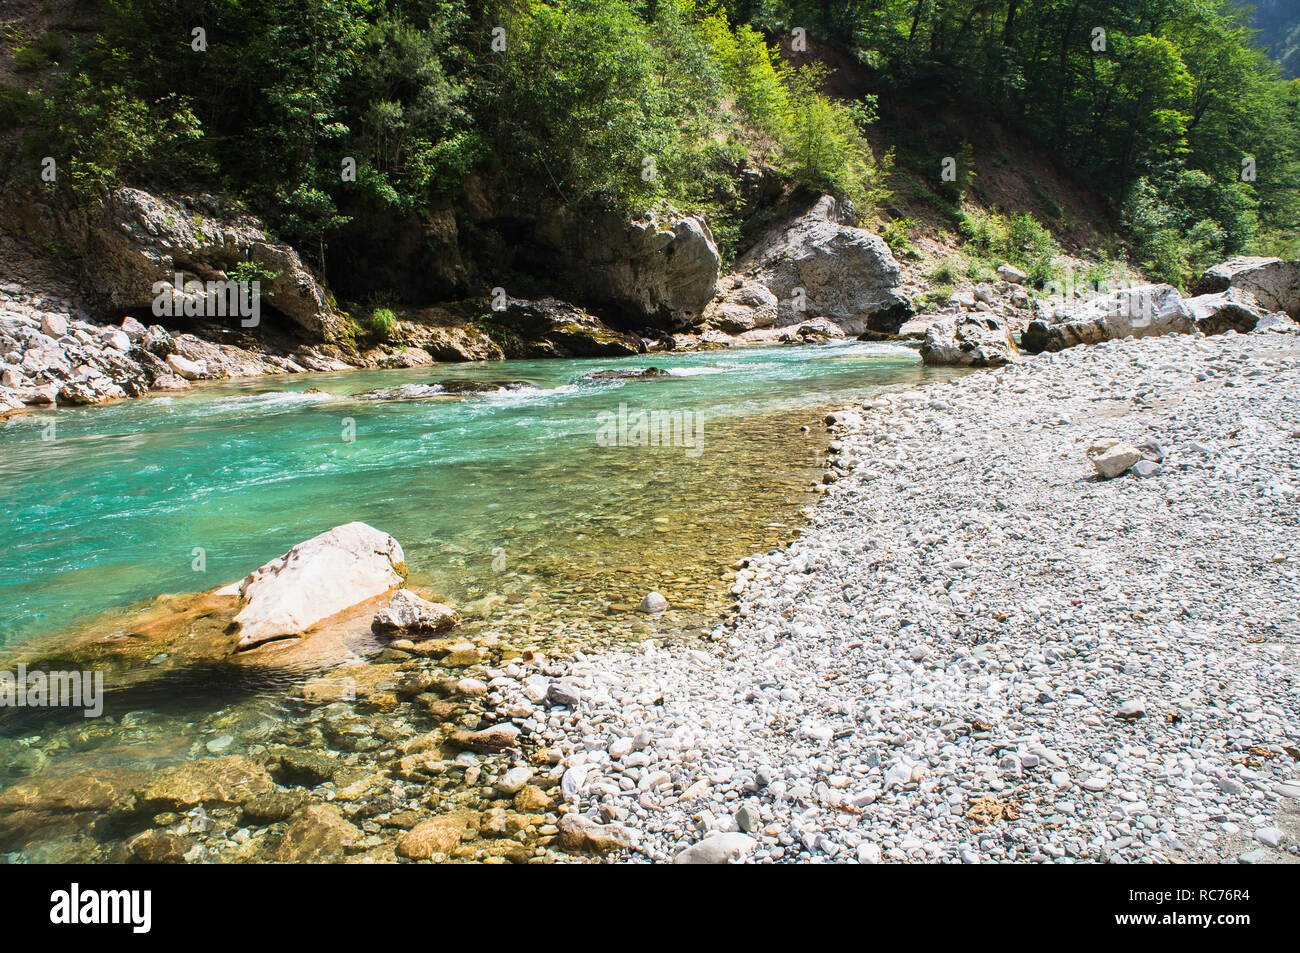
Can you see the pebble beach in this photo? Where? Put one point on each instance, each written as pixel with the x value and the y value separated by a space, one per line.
pixel 980 650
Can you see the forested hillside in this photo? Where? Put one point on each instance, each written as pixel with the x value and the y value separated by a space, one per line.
pixel 1278 22
pixel 1163 107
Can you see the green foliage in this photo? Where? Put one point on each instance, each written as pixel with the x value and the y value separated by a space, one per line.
pixel 1171 242
pixel 17 107
pixel 98 133
pixel 250 271
pixel 614 102
pixel 955 191
pixel 382 323
pixel 945 272
pixel 1021 240
pixel 895 233
pixel 49 49
pixel 641 104
pixel 1179 87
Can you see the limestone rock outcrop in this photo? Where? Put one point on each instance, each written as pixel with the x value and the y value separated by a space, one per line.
pixel 1274 282
pixel 821 265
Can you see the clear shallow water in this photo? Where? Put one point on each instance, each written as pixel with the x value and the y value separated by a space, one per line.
pixel 509 496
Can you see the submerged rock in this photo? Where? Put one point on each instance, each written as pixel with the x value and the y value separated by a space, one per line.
pixel 296 767
pixel 437 835
pixel 155 847
pixel 316 579
pixel 210 781
pixel 653 604
pixel 269 808
pixel 318 833
pixel 407 612
pixel 444 388
pixel 625 374
pixel 49 793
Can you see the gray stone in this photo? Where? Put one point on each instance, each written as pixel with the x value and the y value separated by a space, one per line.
pixel 969 341
pixel 719 848
pixel 747 819
pixel 1115 460
pixel 821 266
pixel 1273 282
pixel 653 604
pixel 408 613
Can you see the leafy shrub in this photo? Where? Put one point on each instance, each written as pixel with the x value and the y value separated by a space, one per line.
pixel 1021 241
pixel 895 233
pixel 250 271
pixel 17 108
pixel 382 323
pixel 43 53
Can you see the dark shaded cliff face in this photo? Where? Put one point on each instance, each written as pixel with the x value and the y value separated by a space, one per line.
pixel 417 258
pixel 643 274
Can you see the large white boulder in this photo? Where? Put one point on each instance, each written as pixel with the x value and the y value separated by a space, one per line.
pixel 820 265
pixel 1140 311
pixel 977 339
pixel 316 579
pixel 1275 283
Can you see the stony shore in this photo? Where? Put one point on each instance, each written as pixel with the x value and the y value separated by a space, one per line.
pixel 976 651
pixel 981 651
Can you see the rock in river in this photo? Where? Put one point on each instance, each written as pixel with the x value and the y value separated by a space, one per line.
pixel 653 604
pixel 446 388
pixel 407 612
pixel 624 374
pixel 316 579
pixel 220 781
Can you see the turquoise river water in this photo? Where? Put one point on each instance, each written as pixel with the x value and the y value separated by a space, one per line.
pixel 517 497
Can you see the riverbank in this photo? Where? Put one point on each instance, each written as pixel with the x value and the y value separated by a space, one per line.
pixel 979 651
pixel 508 506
